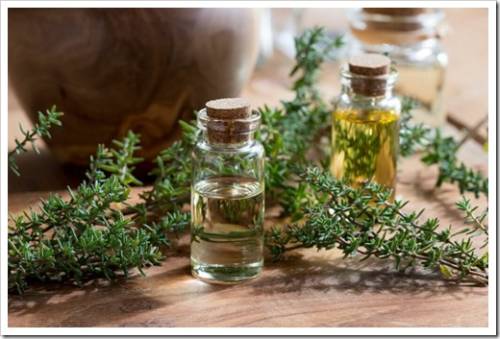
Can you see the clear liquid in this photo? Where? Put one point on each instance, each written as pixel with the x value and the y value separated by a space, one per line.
pixel 365 147
pixel 227 233
pixel 424 84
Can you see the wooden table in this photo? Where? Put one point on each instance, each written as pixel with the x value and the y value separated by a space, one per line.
pixel 308 288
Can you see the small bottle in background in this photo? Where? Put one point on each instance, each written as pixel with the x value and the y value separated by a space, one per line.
pixel 411 37
pixel 227 194
pixel 365 123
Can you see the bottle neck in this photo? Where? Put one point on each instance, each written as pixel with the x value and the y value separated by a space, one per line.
pixel 228 133
pixel 386 93
pixel 239 141
pixel 403 31
pixel 364 87
pixel 409 50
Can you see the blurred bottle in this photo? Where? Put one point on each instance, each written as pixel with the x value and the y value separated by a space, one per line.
pixel 265 36
pixel 278 29
pixel 411 37
pixel 286 23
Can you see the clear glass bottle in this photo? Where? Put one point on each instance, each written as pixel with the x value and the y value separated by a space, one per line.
pixel 365 123
pixel 411 37
pixel 227 194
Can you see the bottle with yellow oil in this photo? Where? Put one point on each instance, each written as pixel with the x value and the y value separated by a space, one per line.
pixel 412 38
pixel 365 123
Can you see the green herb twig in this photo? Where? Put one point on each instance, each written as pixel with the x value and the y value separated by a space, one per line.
pixel 441 151
pixel 41 129
pixel 477 220
pixel 363 221
pixel 289 132
pixel 86 236
pixel 99 233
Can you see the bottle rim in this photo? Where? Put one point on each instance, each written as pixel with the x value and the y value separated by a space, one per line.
pixel 390 78
pixel 425 20
pixel 230 126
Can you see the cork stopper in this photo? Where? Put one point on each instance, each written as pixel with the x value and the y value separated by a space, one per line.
pixel 369 72
pixel 228 108
pixel 403 20
pixel 229 121
pixel 369 64
pixel 396 11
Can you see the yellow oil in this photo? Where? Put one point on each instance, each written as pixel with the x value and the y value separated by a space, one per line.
pixel 365 147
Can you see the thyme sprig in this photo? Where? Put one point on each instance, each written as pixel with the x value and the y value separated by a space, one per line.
pixel 288 133
pixel 161 207
pixel 97 232
pixel 41 129
pixel 477 219
pixel 441 151
pixel 86 236
pixel 364 221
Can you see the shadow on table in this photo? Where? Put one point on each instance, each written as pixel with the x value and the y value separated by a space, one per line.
pixel 101 302
pixel 97 303
pixel 419 181
pixel 300 274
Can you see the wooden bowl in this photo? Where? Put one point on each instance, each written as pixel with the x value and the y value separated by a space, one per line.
pixel 114 70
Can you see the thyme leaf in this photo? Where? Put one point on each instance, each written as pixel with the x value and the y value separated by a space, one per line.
pixel 440 151
pixel 41 129
pixel 364 221
pixel 97 232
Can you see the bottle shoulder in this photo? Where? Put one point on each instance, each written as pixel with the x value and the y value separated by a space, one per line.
pixel 420 54
pixel 250 149
pixel 354 103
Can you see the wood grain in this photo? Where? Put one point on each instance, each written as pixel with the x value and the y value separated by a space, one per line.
pixel 308 288
pixel 114 70
pixel 466 89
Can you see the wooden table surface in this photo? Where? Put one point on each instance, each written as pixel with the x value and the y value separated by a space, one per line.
pixel 308 288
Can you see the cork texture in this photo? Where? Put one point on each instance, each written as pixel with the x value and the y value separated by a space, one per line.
pixel 401 19
pixel 369 64
pixel 228 108
pixel 370 67
pixel 397 11
pixel 228 125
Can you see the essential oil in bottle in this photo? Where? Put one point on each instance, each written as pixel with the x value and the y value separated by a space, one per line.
pixel 411 37
pixel 227 199
pixel 365 123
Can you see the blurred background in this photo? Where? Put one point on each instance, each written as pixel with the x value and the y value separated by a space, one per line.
pixel 144 69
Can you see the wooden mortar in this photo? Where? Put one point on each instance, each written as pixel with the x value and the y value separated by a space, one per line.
pixel 114 70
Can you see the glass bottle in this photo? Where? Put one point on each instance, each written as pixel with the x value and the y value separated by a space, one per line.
pixel 227 194
pixel 411 37
pixel 365 123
